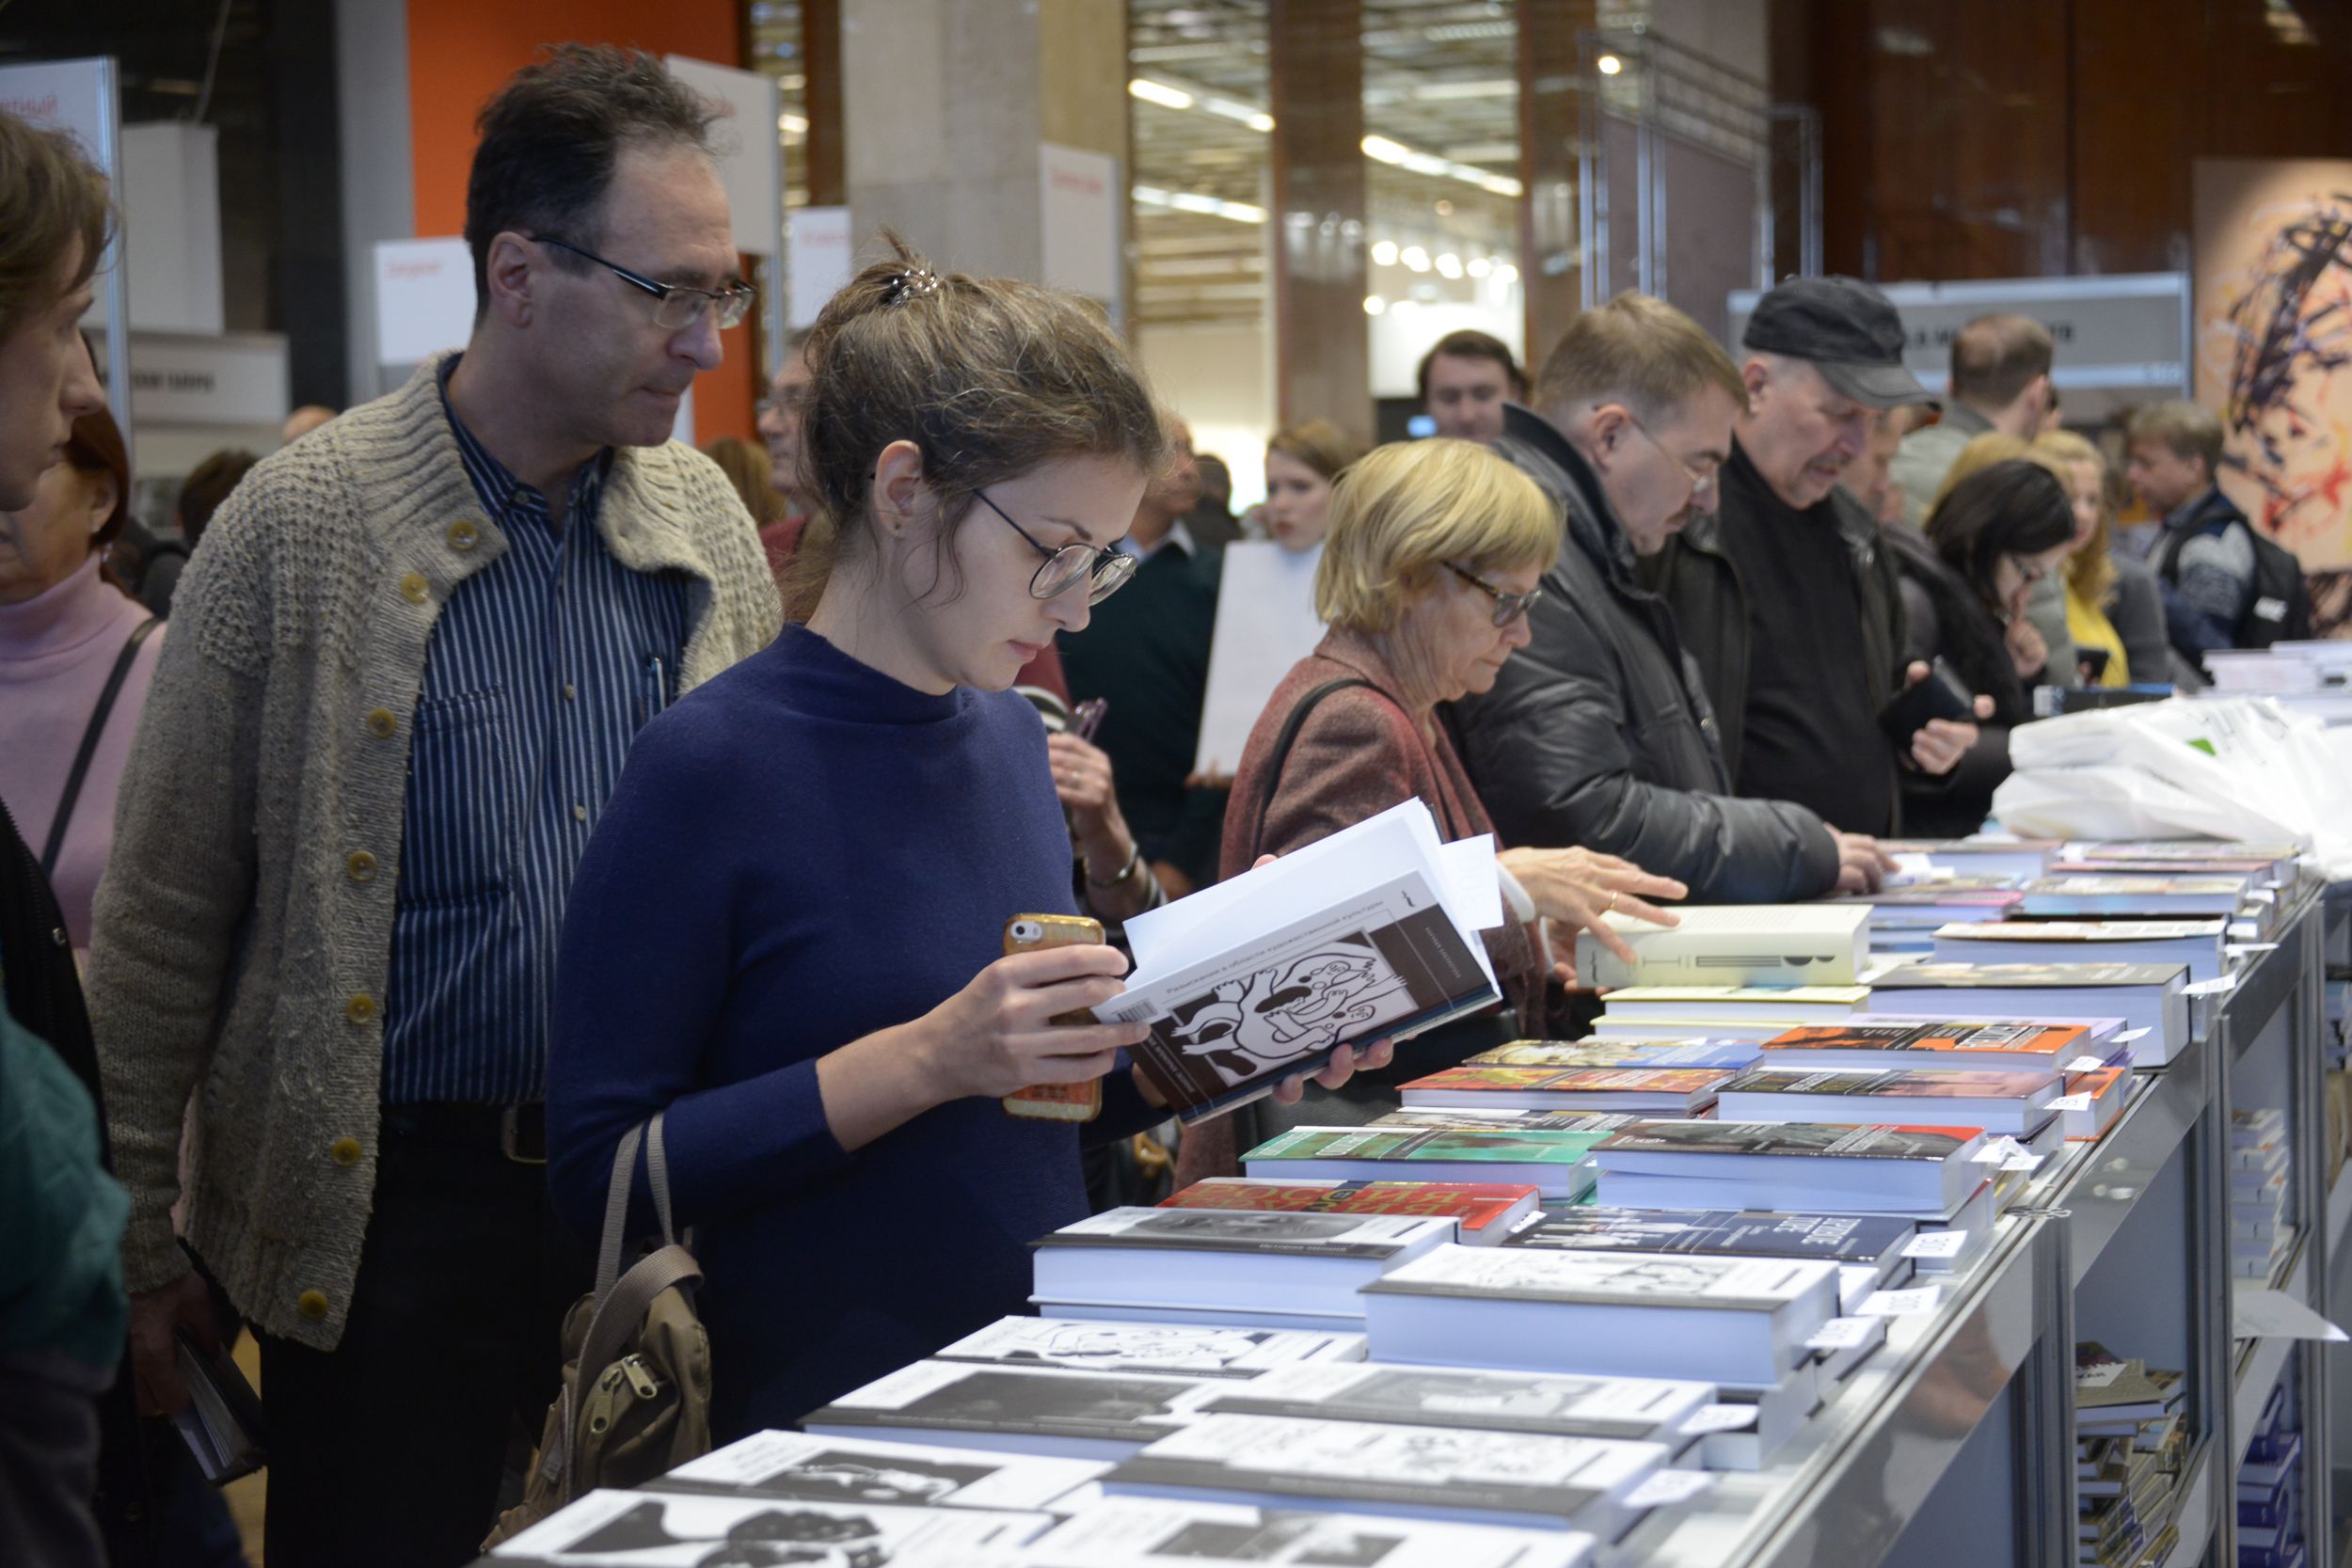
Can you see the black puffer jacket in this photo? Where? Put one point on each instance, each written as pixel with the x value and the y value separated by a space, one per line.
pixel 1598 733
pixel 1946 619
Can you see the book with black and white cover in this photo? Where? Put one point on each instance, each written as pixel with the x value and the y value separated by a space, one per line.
pixel 1166 1349
pixel 1157 1532
pixel 1283 1259
pixel 2194 943
pixel 1604 1051
pixel 1422 1472
pixel 1875 1239
pixel 1777 1411
pixel 1659 1091
pixel 2134 897
pixel 1552 1162
pixel 1734 944
pixel 2147 997
pixel 1372 933
pixel 1607 1314
pixel 2013 1102
pixel 1701 1005
pixel 1016 1409
pixel 1926 1172
pixel 677 1530
pixel 1645 1410
pixel 898 1475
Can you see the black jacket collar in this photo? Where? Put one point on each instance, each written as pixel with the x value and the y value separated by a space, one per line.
pixel 1534 446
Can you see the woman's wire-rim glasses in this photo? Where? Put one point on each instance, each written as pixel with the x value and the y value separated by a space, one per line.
pixel 1062 568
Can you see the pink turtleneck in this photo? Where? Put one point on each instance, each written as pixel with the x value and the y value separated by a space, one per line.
pixel 55 652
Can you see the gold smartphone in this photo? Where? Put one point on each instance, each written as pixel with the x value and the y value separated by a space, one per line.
pixel 1026 933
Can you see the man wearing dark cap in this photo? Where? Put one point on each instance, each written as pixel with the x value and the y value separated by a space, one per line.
pixel 1784 596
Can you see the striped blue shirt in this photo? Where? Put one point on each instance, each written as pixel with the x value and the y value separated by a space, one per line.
pixel 542 667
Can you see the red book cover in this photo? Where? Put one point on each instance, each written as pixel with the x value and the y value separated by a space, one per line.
pixel 1474 1205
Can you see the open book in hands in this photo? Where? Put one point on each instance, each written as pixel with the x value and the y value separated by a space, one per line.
pixel 1370 934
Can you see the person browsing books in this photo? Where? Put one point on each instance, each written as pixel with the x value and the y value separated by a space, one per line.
pixel 1435 553
pixel 786 935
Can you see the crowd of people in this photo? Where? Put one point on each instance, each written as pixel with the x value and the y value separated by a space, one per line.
pixel 483 775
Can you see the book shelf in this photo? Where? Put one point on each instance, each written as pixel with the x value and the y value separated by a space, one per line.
pixel 1955 1443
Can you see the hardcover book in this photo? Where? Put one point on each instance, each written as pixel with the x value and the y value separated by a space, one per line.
pixel 1675 1091
pixel 1649 1410
pixel 1021 1410
pixel 1372 933
pixel 1417 1471
pixel 1152 1532
pixel 656 1529
pixel 1482 1212
pixel 1552 1162
pixel 1732 944
pixel 1178 1350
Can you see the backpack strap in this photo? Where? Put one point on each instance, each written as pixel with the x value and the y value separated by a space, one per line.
pixel 90 733
pixel 616 1211
pixel 1289 737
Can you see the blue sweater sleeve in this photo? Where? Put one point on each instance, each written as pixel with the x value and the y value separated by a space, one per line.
pixel 644 970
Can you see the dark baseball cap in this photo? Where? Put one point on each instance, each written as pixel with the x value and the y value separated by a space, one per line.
pixel 1848 329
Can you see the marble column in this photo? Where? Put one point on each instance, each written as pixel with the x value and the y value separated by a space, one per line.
pixel 1550 110
pixel 820 98
pixel 1323 342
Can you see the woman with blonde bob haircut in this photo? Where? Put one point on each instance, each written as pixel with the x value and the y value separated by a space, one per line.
pixel 1434 556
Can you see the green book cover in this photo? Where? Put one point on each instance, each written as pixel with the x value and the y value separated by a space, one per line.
pixel 1514 1146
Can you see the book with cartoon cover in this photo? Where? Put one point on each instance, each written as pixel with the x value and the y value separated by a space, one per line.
pixel 1641 1409
pixel 674 1530
pixel 1188 1532
pixel 1182 1350
pixel 903 1475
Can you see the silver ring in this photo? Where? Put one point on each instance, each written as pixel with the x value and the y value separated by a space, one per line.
pixel 1613 896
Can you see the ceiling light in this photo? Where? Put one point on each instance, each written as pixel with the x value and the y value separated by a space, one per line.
pixel 1375 304
pixel 1507 275
pixel 1384 253
pixel 1479 266
pixel 1449 265
pixel 1415 259
pixel 1152 93
pixel 1261 123
pixel 793 124
pixel 1385 151
pixel 1609 65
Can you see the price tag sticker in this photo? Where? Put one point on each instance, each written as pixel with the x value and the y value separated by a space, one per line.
pixel 2022 1162
pixel 1902 1304
pixel 1843 1334
pixel 2240 949
pixel 1999 1151
pixel 2213 987
pixel 1666 1488
pixel 1720 1418
pixel 2070 1102
pixel 2087 1063
pixel 2129 1035
pixel 1936 1243
pixel 2262 894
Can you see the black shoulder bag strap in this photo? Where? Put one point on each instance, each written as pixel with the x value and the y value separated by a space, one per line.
pixel 120 672
pixel 1289 737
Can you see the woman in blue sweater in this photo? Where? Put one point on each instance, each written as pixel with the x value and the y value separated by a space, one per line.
pixel 786 930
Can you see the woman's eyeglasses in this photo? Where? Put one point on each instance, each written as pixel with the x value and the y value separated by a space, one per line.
pixel 1508 607
pixel 1063 568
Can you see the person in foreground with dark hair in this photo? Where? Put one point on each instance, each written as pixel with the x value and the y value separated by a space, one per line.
pixel 1463 381
pixel 1965 585
pixel 812 990
pixel 406 664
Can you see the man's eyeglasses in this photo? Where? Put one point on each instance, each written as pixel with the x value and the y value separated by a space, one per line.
pixel 676 305
pixel 1508 607
pixel 1063 568
pixel 1700 478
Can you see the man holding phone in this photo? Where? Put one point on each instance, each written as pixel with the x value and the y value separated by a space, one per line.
pixel 1784 596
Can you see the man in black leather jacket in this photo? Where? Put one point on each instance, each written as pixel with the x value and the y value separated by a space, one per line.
pixel 1598 733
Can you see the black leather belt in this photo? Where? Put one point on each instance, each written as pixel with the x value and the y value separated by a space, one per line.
pixel 517 1131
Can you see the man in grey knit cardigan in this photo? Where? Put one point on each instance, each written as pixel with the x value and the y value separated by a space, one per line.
pixel 407 662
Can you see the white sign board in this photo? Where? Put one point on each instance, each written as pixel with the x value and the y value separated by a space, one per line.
pixel 816 255
pixel 1080 199
pixel 1266 623
pixel 180 378
pixel 423 298
pixel 750 149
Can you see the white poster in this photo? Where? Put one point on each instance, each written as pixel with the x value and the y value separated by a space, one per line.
pixel 817 257
pixel 185 378
pixel 423 298
pixel 72 95
pixel 750 149
pixel 1080 203
pixel 1266 623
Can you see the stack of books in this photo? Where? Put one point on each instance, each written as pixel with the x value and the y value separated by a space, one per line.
pixel 1482 1213
pixel 2133 897
pixel 1904 919
pixel 2094 1097
pixel 1618 1052
pixel 2010 861
pixel 2150 1000
pixel 1919 1173
pixel 1475 1119
pixel 1149 1532
pixel 2270 1489
pixel 2196 943
pixel 1258 1267
pixel 2269 865
pixel 1734 944
pixel 1155 1350
pixel 2261 1165
pixel 1553 1161
pixel 1651 1091
pixel 2129 1446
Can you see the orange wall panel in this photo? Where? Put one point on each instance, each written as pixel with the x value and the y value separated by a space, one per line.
pixel 460 52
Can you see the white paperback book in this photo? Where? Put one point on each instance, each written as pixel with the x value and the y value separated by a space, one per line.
pixel 1613 1314
pixel 1266 623
pixel 1285 1260
pixel 1014 1409
pixel 1168 1349
pixel 1641 1409
pixel 1372 933
pixel 1417 1472
pixel 1152 1532
pixel 659 1529
pixel 901 1475
pixel 1753 945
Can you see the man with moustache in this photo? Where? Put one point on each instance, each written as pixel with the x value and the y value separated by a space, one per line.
pixel 1598 733
pixel 404 670
pixel 1784 595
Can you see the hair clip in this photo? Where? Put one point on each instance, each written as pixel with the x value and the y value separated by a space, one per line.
pixel 914 283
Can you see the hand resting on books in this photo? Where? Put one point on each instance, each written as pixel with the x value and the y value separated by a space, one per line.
pixel 1574 888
